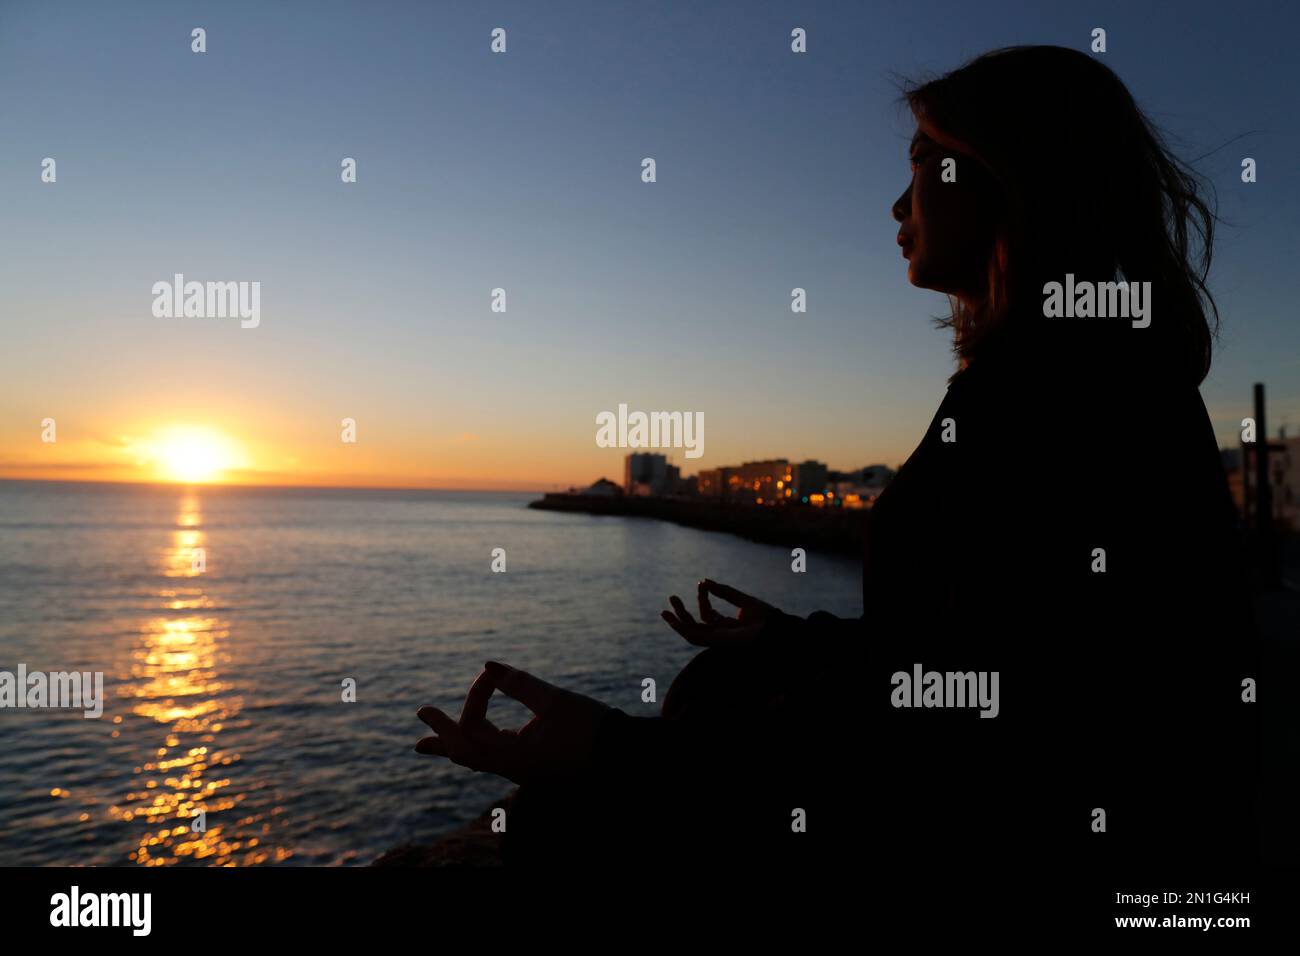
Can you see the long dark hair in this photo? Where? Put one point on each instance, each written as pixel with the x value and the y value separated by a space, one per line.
pixel 1089 187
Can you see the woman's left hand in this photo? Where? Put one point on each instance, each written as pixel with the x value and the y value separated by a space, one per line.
pixel 714 629
pixel 557 742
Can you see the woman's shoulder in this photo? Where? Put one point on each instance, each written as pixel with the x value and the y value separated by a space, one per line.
pixel 1056 369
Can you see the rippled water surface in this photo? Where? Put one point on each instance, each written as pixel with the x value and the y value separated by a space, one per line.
pixel 223 676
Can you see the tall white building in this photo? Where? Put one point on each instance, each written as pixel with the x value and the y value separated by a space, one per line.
pixel 645 473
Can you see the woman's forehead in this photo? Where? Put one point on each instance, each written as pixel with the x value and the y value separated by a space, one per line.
pixel 928 132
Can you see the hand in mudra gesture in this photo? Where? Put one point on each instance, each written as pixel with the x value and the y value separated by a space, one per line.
pixel 718 630
pixel 556 743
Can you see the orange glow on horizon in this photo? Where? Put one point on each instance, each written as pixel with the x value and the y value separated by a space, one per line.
pixel 239 450
pixel 184 442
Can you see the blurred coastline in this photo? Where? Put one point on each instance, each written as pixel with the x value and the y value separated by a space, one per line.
pixel 834 530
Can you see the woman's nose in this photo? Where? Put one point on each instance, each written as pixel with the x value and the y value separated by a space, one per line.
pixel 903 205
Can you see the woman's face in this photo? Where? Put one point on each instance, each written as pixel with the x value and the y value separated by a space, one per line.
pixel 946 228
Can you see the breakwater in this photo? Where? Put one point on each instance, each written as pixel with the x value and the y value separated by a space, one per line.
pixel 816 529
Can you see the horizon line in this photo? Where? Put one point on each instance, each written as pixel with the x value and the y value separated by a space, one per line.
pixel 217 485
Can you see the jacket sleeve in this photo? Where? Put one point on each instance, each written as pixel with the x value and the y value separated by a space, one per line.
pixel 805 644
pixel 656 751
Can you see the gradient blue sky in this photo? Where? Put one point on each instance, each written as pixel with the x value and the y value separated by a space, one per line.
pixel 523 171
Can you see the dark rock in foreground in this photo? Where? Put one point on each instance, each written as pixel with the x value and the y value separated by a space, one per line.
pixel 472 845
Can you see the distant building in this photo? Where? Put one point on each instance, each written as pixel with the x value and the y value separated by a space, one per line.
pixel 715 482
pixel 760 482
pixel 1284 479
pixel 755 482
pixel 860 488
pixel 808 482
pixel 809 478
pixel 877 476
pixel 778 480
pixel 604 487
pixel 646 474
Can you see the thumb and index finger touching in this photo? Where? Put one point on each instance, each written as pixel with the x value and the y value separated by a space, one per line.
pixel 533 692
pixel 733 597
pixel 473 739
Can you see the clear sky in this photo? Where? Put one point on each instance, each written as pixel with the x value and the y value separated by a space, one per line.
pixel 523 171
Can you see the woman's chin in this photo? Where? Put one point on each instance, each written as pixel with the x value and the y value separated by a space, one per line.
pixel 917 274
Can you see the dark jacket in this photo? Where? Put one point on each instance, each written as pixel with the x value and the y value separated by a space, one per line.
pixel 1119 690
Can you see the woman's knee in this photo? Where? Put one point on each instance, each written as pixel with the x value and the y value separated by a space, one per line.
pixel 716 679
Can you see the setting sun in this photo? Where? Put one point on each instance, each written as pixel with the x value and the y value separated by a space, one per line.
pixel 190 454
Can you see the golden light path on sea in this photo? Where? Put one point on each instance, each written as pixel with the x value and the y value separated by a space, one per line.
pixel 175 680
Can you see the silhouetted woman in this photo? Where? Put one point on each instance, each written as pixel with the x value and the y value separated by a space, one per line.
pixel 1063 524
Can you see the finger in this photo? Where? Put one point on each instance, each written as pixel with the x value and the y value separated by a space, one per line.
pixel 732 596
pixel 533 692
pixel 683 615
pixel 483 733
pixel 431 745
pixel 476 701
pixel 675 624
pixel 444 726
pixel 711 617
pixel 468 750
pixel 707 613
pixel 694 633
pixel 494 750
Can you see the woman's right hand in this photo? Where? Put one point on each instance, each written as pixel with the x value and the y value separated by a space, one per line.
pixel 714 629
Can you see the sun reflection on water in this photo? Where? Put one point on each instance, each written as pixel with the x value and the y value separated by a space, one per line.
pixel 175 680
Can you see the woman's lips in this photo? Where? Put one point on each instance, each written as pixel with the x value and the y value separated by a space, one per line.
pixel 907 247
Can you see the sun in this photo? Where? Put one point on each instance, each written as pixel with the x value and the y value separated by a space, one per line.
pixel 193 455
